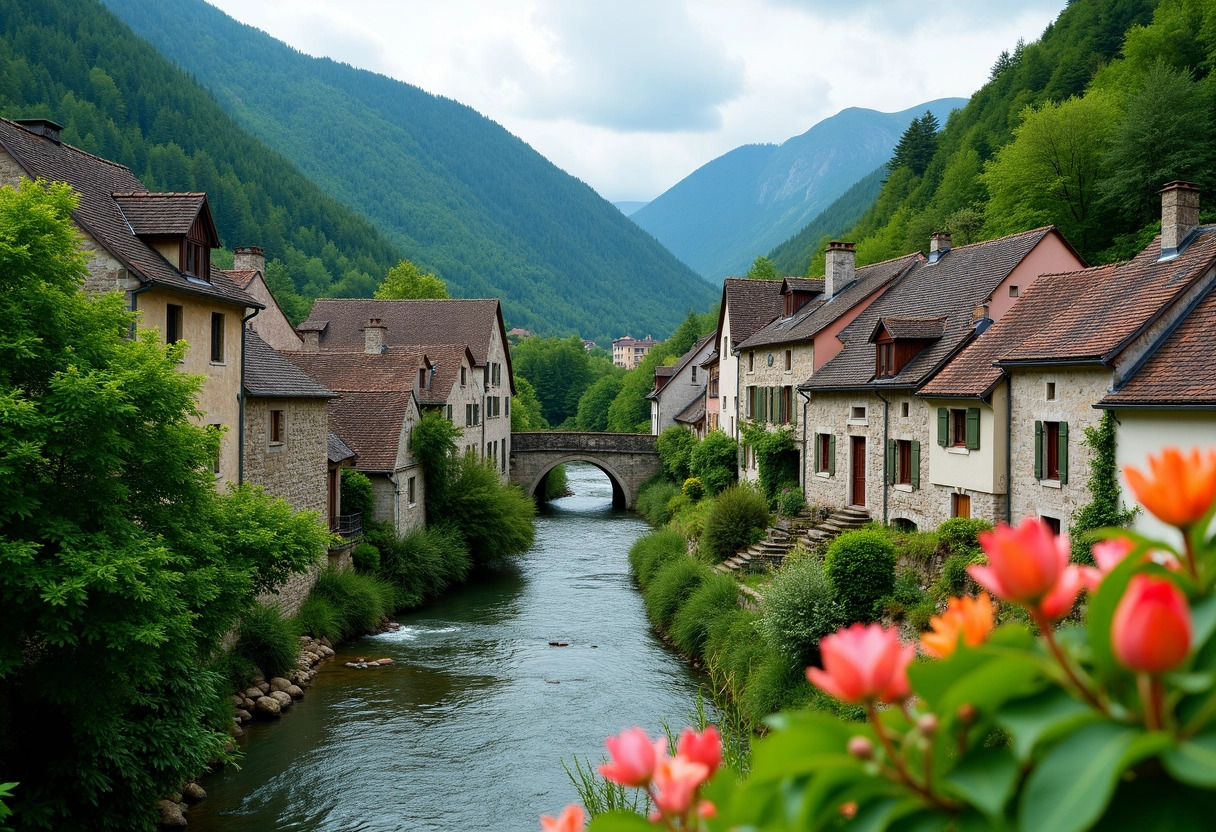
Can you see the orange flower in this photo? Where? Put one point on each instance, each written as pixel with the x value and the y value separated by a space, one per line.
pixel 969 619
pixel 1029 565
pixel 572 820
pixel 1181 487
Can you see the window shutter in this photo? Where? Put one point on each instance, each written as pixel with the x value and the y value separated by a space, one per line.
pixel 915 464
pixel 891 461
pixel 1038 450
pixel 818 462
pixel 943 426
pixel 1063 453
pixel 832 455
pixel 973 428
pixel 793 406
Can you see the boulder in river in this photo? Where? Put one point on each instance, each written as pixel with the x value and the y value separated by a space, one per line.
pixel 283 698
pixel 253 693
pixel 192 792
pixel 267 707
pixel 295 692
pixel 171 815
pixel 279 683
pixel 263 686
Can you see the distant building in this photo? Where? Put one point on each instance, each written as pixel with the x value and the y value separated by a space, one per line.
pixel 628 352
pixel 679 388
pixel 588 345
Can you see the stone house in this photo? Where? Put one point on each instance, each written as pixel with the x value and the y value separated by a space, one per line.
pixel 339 324
pixel 788 350
pixel 628 352
pixel 249 272
pixel 155 248
pixel 747 305
pixel 713 404
pixel 868 431
pixel 377 406
pixel 677 388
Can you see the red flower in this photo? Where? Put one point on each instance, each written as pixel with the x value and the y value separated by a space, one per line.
pixel 1029 565
pixel 571 820
pixel 704 748
pixel 1151 630
pixel 1180 489
pixel 864 664
pixel 676 781
pixel 634 757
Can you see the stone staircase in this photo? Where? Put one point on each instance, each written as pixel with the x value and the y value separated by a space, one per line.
pixel 841 520
pixel 789 532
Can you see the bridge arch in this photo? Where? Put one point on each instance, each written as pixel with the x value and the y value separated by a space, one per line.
pixel 629 459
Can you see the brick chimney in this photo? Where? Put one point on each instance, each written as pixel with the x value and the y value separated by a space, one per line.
pixel 1179 215
pixel 839 267
pixel 311 339
pixel 249 258
pixel 373 336
pixel 939 244
pixel 979 318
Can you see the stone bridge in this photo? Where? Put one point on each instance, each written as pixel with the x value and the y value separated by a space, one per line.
pixel 629 459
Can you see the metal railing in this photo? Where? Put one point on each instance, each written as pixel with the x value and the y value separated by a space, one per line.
pixel 348 525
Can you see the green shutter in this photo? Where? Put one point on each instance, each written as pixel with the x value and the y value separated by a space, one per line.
pixel 943 426
pixel 973 428
pixel 915 464
pixel 891 461
pixel 818 462
pixel 1038 450
pixel 793 406
pixel 832 455
pixel 1063 454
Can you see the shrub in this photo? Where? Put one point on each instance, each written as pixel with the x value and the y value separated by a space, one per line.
pixel 776 456
pixel 906 595
pixel 799 609
pixel 790 501
pixel 675 581
pixel 740 651
pixel 366 557
pixel 496 520
pixel 736 519
pixel 775 684
pixel 318 618
pixel 675 447
pixel 651 552
pixel 556 483
pixel 717 595
pixel 714 461
pixel 357 494
pixel 961 535
pixel 918 547
pixel 236 671
pixel 861 567
pixel 954 573
pixel 690 519
pixel 360 601
pixel 268 640
pixel 423 563
pixel 653 500
pixel 918 616
pixel 693 489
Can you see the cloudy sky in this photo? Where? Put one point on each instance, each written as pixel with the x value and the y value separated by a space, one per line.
pixel 632 95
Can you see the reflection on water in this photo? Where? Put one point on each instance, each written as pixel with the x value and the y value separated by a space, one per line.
pixel 468 728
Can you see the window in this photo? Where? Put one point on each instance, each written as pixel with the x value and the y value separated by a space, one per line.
pixel 959 428
pixel 215 460
pixel 960 505
pixel 751 402
pixel 751 360
pixel 789 360
pixel 277 427
pixel 694 373
pixel 449 412
pixel 468 415
pixel 421 377
pixel 1052 523
pixel 409 489
pixel 904 449
pixel 886 360
pixel 1051 451
pixel 477 414
pixel 1051 391
pixel 958 431
pixel 503 458
pixel 507 409
pixel 196 260
pixel 825 454
pixel 462 375
pixel 1013 291
pixel 858 413
pixel 217 337
pixel 1052 438
pixel 173 323
pixel 903 410
pixel 903 462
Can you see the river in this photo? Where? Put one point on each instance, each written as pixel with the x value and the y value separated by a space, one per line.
pixel 469 727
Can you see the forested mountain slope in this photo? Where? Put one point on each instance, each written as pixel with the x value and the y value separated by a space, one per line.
pixel 1080 128
pixel 742 204
pixel 801 253
pixel 74 62
pixel 455 191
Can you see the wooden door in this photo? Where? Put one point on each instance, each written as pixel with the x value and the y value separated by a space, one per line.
pixel 962 505
pixel 857 496
pixel 333 498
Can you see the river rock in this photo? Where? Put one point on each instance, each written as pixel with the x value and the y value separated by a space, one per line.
pixel 327 643
pixel 192 792
pixel 267 707
pixel 295 692
pixel 243 715
pixel 279 683
pixel 263 686
pixel 238 700
pixel 373 664
pixel 171 815
pixel 237 730
pixel 385 660
pixel 253 693
pixel 281 697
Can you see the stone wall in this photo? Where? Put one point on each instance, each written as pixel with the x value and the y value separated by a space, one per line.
pixel 497 429
pixel 629 459
pixel 296 468
pixel 802 364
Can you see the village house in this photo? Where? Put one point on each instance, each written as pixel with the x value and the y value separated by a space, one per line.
pixel 679 389
pixel 249 272
pixel 866 426
pixel 713 405
pixel 482 404
pixel 789 349
pixel 747 305
pixel 155 248
pixel 628 352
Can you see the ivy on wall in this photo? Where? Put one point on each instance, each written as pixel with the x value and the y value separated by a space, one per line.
pixel 1104 509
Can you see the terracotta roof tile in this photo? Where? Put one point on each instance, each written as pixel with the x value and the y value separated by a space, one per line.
pixel 370 424
pixel 241 277
pixel 269 375
pixel 96 180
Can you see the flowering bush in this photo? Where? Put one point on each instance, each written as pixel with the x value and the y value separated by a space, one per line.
pixel 1046 727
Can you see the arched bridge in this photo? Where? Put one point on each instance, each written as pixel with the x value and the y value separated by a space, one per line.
pixel 629 459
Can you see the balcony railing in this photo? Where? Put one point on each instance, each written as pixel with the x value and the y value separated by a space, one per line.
pixel 348 526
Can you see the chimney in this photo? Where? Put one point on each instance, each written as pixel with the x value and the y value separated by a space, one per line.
pixel 373 336
pixel 939 244
pixel 311 339
pixel 41 127
pixel 840 264
pixel 979 318
pixel 249 258
pixel 1179 215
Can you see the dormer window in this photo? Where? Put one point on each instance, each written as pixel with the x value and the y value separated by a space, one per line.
pixel 899 340
pixel 196 260
pixel 886 360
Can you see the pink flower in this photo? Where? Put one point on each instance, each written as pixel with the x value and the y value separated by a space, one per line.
pixel 1110 553
pixel 634 757
pixel 864 664
pixel 676 780
pixel 704 748
pixel 1151 630
pixel 571 820
pixel 1029 565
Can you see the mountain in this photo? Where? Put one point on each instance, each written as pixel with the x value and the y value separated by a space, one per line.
pixel 456 192
pixel 627 207
pixel 75 63
pixel 795 255
pixel 742 204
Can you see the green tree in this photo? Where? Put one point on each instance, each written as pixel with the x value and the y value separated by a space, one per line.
pixel 525 407
pixel 121 567
pixel 433 444
pixel 917 145
pixel 675 446
pixel 559 369
pixel 689 332
pixel 763 269
pixel 594 404
pixel 715 461
pixel 405 281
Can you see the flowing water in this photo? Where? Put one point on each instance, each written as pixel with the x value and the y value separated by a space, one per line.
pixel 469 727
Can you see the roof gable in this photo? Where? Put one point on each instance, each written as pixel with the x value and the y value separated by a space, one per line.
pixel 750 305
pixel 168 215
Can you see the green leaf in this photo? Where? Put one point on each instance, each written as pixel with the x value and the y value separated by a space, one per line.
pixel 1041 717
pixel 804 742
pixel 1102 610
pixel 985 779
pixel 1193 761
pixel 1203 620
pixel 822 798
pixel 1070 788
pixel 620 822
pixel 932 679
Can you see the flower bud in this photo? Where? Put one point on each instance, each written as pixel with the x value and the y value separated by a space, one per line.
pixel 848 811
pixel 861 748
pixel 966 713
pixel 1151 630
pixel 927 725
